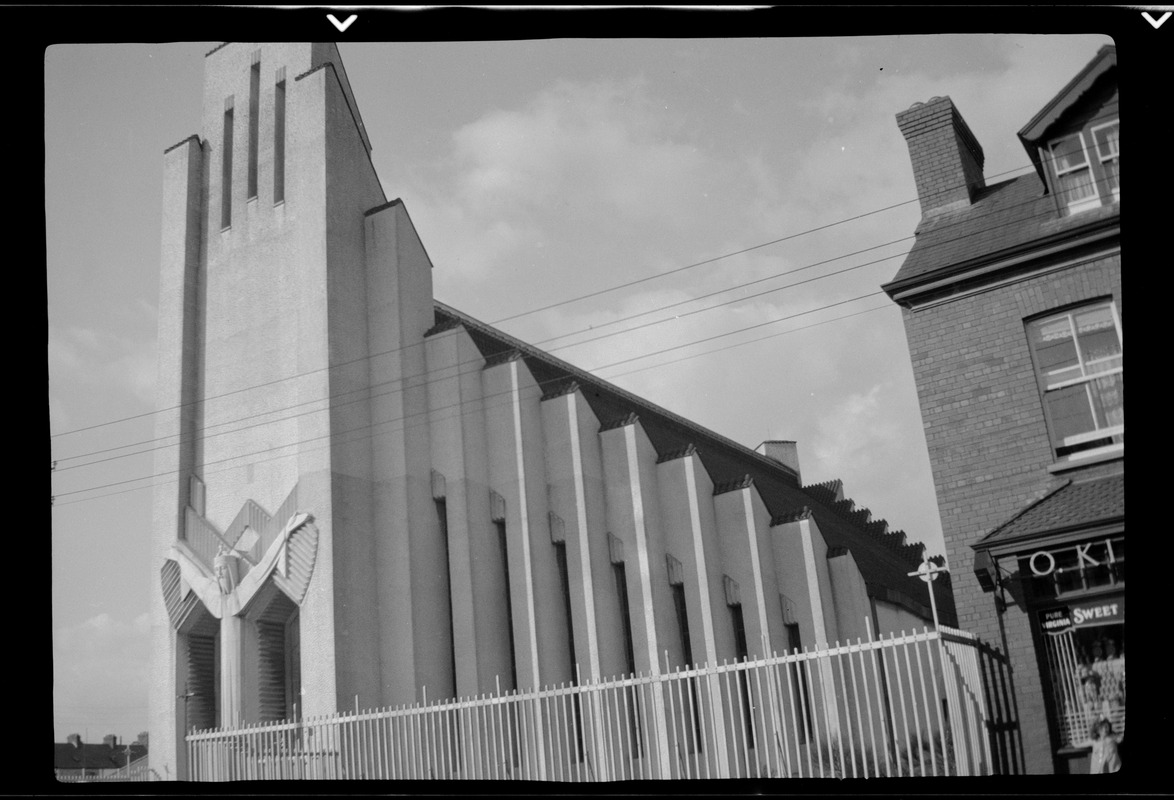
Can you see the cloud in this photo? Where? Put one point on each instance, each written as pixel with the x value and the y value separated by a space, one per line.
pixel 578 171
pixel 853 430
pixel 102 358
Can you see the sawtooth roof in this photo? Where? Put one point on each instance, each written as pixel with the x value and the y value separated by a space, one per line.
pixel 883 556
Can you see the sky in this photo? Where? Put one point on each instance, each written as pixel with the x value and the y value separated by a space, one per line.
pixel 537 172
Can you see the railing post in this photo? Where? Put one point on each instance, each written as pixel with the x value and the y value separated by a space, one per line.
pixel 720 755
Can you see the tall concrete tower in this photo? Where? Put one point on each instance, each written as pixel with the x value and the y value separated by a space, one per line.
pixel 293 304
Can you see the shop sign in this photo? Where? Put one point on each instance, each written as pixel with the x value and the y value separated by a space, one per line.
pixel 1056 620
pixel 1089 554
pixel 1099 612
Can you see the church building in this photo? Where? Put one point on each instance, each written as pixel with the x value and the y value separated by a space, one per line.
pixel 374 497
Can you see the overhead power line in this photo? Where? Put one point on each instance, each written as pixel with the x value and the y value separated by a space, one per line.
pixel 368 430
pixel 547 307
pixel 364 390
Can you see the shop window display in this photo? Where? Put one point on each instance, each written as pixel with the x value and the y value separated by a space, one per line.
pixel 1087 665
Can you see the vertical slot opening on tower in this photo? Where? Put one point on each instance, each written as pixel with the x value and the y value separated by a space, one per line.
pixel 226 168
pixel 279 138
pixel 254 120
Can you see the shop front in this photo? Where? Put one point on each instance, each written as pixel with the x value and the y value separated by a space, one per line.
pixel 1078 606
pixel 1057 570
pixel 1069 582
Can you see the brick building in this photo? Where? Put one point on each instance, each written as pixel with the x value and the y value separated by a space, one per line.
pixel 377 497
pixel 1012 305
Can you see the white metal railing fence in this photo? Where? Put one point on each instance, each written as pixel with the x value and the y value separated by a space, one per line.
pixel 907 705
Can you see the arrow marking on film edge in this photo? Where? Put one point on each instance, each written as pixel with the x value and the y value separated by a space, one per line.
pixel 342 26
pixel 1157 23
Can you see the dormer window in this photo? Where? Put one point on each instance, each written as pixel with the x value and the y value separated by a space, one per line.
pixel 1106 139
pixel 1075 185
pixel 1085 167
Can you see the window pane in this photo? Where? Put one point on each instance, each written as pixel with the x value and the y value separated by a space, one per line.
pixel 1079 357
pixel 1099 343
pixel 1055 350
pixel 1108 396
pixel 1070 411
pixel 1112 175
pixel 1068 153
pixel 1075 186
pixel 1106 139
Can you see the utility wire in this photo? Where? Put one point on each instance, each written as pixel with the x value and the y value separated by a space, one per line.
pixel 622 374
pixel 334 436
pixel 544 308
pixel 582 342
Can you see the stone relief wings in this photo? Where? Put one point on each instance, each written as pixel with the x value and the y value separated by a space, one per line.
pixel 289 559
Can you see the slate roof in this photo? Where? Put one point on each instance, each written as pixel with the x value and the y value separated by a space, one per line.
pixel 1072 505
pixel 94 756
pixel 1012 217
pixel 1008 217
pixel 884 557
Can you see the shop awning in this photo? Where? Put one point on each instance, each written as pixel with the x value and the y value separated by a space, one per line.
pixel 1072 507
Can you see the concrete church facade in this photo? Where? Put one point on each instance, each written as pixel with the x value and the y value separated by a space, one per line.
pixel 377 495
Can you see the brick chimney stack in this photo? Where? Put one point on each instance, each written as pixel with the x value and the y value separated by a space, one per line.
pixel 784 452
pixel 947 159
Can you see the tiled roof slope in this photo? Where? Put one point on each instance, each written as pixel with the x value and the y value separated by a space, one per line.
pixel 882 556
pixel 1074 504
pixel 1002 219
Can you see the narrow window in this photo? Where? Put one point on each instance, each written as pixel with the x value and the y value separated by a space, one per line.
pixel 687 654
pixel 560 554
pixel 742 653
pixel 625 616
pixel 279 139
pixel 509 605
pixel 254 122
pixel 629 653
pixel 442 518
pixel 226 168
pixel 683 622
pixel 201 690
pixel 278 660
pixel 293 666
pixel 800 690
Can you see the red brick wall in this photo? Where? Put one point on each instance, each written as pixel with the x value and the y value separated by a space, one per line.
pixel 989 447
pixel 947 159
